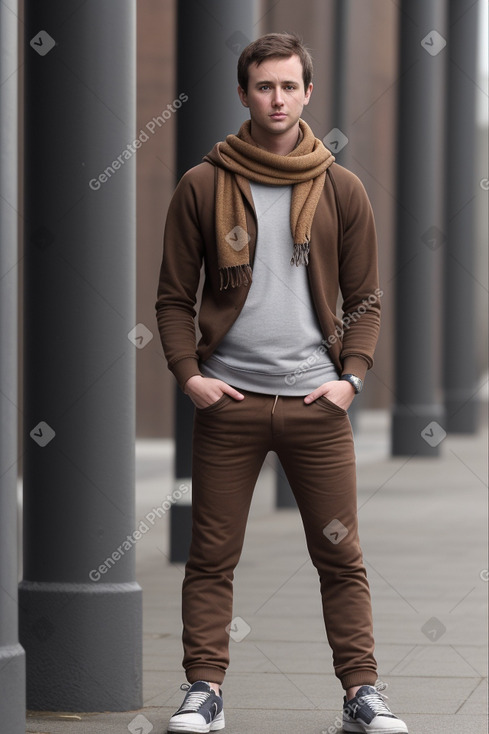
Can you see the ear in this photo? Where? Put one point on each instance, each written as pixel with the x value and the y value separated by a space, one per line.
pixel 307 96
pixel 243 97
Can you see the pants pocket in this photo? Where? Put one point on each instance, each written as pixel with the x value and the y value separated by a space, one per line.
pixel 330 406
pixel 223 400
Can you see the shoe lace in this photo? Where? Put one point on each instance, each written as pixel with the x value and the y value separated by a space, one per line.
pixel 193 701
pixel 376 701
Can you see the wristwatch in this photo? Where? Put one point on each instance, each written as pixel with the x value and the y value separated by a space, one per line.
pixel 355 381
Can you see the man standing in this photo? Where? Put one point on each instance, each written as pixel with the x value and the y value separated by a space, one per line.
pixel 281 229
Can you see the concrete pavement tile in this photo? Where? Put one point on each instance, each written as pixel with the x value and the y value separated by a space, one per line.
pixel 463 661
pixel 293 657
pixel 162 688
pixel 476 703
pixel 160 617
pixel 247 657
pixel 272 689
pixel 436 660
pixel 323 691
pixel 390 656
pixel 442 724
pixel 442 629
pixel 475 655
pixel 281 627
pixel 160 649
pixel 104 723
pixel 394 625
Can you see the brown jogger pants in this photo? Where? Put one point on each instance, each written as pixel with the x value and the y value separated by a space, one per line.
pixel 315 446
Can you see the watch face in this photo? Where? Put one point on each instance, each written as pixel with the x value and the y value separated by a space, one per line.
pixel 355 381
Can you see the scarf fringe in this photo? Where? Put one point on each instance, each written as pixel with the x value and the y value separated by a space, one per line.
pixel 234 276
pixel 301 254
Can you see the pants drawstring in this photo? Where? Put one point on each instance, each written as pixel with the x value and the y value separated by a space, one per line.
pixel 275 403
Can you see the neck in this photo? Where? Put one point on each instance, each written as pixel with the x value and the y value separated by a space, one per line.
pixel 281 144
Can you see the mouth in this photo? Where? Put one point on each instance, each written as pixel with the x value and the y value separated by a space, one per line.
pixel 278 116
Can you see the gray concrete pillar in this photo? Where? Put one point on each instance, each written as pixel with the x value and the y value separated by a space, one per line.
pixel 342 16
pixel 418 422
pixel 80 606
pixel 460 318
pixel 210 38
pixel 12 657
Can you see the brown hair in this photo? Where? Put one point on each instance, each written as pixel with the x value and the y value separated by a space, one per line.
pixel 274 46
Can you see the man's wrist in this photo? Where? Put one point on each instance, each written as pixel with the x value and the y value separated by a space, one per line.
pixel 192 377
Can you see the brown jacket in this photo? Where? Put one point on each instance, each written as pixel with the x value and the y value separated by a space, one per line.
pixel 343 256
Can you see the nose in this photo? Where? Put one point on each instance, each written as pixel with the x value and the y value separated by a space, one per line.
pixel 277 98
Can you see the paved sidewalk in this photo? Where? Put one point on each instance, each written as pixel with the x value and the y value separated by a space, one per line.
pixel 423 529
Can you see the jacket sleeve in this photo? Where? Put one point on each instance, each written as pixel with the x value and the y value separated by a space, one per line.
pixel 179 282
pixel 359 281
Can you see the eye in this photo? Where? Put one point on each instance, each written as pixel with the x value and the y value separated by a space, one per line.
pixel 264 86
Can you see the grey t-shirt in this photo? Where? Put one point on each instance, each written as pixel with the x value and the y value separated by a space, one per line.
pixel 275 345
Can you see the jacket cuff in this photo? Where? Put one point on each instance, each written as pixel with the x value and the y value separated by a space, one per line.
pixel 357 366
pixel 184 369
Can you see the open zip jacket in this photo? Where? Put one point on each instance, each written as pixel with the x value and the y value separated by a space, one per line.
pixel 343 258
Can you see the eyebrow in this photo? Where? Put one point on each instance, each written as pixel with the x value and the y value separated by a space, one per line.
pixel 272 83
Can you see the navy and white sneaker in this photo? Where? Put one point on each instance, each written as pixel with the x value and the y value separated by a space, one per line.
pixel 201 710
pixel 368 713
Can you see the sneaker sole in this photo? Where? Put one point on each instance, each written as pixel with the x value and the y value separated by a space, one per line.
pixel 181 726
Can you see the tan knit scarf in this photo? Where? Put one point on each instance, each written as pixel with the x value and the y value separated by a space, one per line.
pixel 239 156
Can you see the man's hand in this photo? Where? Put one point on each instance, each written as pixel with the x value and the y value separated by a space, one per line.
pixel 340 392
pixel 203 391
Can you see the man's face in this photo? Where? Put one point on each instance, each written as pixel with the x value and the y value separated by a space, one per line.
pixel 276 94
